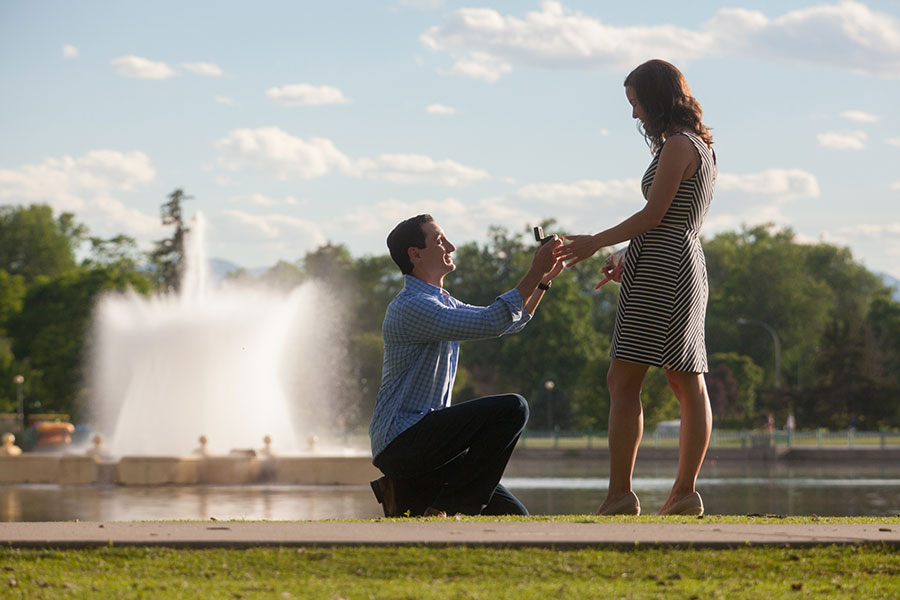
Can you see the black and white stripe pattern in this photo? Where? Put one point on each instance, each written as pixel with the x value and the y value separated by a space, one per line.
pixel 662 303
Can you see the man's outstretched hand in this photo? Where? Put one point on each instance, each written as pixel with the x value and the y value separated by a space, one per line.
pixel 558 268
pixel 545 260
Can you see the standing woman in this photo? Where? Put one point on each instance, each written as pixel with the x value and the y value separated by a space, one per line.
pixel 662 302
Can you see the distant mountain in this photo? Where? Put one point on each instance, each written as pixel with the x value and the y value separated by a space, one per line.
pixel 892 282
pixel 219 268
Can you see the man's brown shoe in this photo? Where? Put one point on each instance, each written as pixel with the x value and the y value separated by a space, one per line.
pixel 386 496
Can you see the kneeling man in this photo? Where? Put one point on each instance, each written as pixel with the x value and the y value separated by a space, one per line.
pixel 437 458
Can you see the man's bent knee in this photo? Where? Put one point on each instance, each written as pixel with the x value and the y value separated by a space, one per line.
pixel 518 406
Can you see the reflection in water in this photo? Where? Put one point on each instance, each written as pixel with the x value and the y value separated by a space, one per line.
pixel 194 502
pixel 545 487
pixel 728 487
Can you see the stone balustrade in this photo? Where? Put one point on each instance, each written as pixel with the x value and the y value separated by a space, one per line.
pixel 239 467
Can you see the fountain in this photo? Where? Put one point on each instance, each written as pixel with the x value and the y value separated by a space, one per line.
pixel 232 366
pixel 233 363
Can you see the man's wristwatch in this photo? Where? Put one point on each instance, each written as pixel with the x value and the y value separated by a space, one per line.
pixel 544 286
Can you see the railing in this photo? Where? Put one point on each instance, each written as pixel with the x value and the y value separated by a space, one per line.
pixel 850 438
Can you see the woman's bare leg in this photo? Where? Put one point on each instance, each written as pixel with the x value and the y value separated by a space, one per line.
pixel 696 425
pixel 626 425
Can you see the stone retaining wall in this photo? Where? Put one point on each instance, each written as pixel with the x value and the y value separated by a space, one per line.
pixel 66 469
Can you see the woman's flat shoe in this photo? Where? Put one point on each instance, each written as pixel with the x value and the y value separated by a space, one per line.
pixel 692 504
pixel 626 505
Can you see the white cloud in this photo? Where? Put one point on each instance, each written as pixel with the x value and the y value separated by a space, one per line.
pixel 555 36
pixel 440 109
pixel 459 220
pixel 272 150
pixel 273 227
pixel 69 51
pixel 860 116
pixel 422 4
pixel 878 243
pixel 847 36
pixel 785 184
pixel 416 168
pixel 614 191
pixel 304 94
pixel 381 216
pixel 224 100
pixel 893 141
pixel 203 68
pixel 86 185
pixel 896 186
pixel 883 241
pixel 494 211
pixel 869 231
pixel 263 200
pixel 141 68
pixel 758 197
pixel 853 140
pixel 269 149
pixel 481 65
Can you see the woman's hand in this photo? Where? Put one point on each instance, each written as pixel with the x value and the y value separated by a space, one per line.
pixel 613 268
pixel 579 248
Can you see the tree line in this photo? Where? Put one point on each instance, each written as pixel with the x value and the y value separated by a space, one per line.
pixel 836 324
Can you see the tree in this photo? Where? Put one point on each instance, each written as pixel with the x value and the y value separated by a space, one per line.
pixel 12 292
pixel 330 263
pixel 8 370
pixel 168 255
pixel 784 295
pixel 826 310
pixel 733 384
pixel 119 251
pixel 34 244
pixel 51 331
pixel 283 276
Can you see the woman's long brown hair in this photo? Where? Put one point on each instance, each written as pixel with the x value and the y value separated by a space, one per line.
pixel 665 97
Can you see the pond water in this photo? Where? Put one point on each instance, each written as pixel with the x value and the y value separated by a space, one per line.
pixel 545 487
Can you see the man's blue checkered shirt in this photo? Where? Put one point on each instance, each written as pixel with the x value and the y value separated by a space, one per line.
pixel 422 330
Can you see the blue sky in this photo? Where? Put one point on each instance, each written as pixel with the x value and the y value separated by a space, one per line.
pixel 293 123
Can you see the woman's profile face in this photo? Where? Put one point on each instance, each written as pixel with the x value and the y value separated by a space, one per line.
pixel 636 111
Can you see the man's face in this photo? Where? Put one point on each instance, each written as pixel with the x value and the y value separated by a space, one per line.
pixel 436 256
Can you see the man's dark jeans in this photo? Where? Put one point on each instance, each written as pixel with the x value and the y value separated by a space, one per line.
pixel 453 459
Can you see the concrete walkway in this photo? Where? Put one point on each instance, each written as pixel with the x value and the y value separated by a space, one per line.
pixel 433 532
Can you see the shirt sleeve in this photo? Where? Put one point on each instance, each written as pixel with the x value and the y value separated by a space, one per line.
pixel 519 325
pixel 426 319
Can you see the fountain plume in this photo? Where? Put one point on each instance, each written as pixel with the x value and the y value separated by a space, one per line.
pixel 234 363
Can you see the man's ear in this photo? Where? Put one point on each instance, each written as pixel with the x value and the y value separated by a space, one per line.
pixel 414 254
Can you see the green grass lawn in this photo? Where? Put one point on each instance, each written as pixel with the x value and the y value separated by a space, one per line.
pixel 350 573
pixel 451 572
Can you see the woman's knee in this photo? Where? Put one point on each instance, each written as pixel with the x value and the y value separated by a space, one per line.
pixel 675 383
pixel 687 386
pixel 622 383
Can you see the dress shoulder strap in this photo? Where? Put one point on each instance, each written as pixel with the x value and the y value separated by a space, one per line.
pixel 700 144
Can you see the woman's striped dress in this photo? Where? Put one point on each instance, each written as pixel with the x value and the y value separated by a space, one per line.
pixel 662 303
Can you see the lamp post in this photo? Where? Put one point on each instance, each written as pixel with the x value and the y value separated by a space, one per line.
pixel 549 385
pixel 20 401
pixel 775 340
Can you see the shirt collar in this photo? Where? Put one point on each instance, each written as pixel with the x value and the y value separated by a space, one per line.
pixel 414 284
